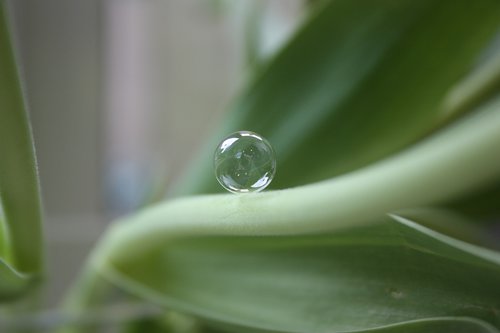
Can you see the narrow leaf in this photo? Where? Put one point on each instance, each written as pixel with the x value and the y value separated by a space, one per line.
pixel 19 189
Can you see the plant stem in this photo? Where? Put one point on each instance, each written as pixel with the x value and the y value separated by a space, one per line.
pixel 462 157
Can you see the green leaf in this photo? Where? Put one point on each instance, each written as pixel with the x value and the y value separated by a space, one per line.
pixel 12 282
pixel 19 188
pixel 433 325
pixel 439 325
pixel 276 272
pixel 353 279
pixel 482 82
pixel 360 81
pixel 481 205
pixel 452 223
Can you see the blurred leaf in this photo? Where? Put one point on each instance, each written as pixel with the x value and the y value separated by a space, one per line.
pixel 481 205
pixel 19 189
pixel 171 322
pixel 353 279
pixel 273 274
pixel 251 34
pixel 12 282
pixel 484 81
pixel 439 325
pixel 451 223
pixel 361 80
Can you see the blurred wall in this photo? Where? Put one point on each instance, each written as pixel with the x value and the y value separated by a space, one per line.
pixel 58 44
pixel 170 69
pixel 121 94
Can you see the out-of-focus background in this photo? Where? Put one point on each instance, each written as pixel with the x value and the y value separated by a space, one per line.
pixel 121 94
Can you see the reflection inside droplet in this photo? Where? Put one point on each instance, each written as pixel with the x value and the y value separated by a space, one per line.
pixel 244 162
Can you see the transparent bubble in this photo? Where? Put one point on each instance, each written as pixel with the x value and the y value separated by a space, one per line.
pixel 244 162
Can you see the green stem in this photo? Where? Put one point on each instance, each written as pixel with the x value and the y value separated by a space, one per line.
pixel 459 158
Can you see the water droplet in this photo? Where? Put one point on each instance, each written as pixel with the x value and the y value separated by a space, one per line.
pixel 244 162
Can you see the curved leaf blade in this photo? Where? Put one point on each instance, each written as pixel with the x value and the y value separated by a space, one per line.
pixel 468 159
pixel 439 325
pixel 353 279
pixel 358 83
pixel 19 188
